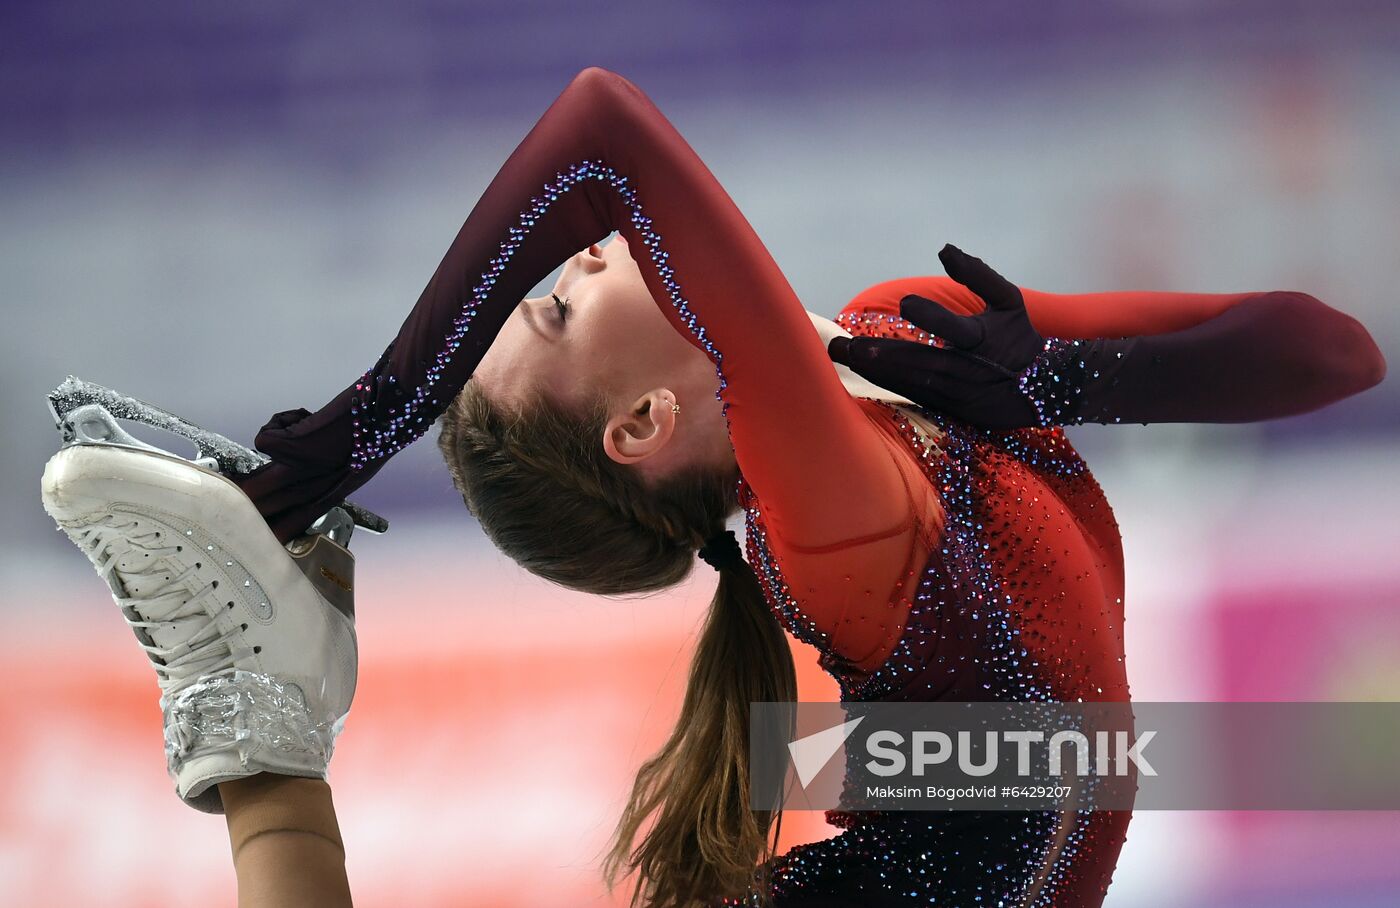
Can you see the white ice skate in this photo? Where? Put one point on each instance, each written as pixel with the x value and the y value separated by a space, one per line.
pixel 253 643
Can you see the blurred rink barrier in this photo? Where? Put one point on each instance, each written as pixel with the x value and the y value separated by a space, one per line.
pixel 227 210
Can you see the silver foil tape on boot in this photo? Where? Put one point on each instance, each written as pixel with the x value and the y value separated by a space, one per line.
pixel 246 713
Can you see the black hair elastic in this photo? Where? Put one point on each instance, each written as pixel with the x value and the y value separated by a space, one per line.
pixel 722 550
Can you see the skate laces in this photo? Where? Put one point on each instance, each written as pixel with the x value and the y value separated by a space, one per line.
pixel 164 602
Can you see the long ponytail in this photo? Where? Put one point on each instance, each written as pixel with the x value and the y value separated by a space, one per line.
pixel 696 787
pixel 549 497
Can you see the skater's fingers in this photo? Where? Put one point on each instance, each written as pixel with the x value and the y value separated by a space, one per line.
pixel 979 277
pixel 889 362
pixel 904 367
pixel 957 330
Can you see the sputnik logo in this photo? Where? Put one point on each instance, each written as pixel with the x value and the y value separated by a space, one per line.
pixel 811 754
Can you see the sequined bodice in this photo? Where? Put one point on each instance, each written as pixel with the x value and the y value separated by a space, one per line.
pixel 1021 599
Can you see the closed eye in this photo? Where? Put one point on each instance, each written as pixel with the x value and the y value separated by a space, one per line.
pixel 561 306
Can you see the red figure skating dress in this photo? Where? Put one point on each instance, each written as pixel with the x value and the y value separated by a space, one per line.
pixel 925 559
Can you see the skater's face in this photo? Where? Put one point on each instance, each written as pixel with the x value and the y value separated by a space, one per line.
pixel 609 336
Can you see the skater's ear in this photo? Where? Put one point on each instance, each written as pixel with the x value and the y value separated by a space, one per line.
pixel 643 429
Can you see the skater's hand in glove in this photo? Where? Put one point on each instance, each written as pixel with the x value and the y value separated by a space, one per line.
pixel 975 377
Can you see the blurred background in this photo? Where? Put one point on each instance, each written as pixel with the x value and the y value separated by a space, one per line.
pixel 227 209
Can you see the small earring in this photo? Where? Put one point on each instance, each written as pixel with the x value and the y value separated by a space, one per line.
pixel 675 407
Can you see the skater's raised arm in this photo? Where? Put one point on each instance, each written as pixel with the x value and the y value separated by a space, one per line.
pixel 286 844
pixel 603 158
pixel 1135 356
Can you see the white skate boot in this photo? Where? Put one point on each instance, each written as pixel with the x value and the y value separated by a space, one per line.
pixel 253 643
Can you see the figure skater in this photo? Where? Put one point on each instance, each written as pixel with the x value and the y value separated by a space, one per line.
pixel 936 539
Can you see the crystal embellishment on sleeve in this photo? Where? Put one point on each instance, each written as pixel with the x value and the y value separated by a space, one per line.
pixel 380 429
pixel 1054 381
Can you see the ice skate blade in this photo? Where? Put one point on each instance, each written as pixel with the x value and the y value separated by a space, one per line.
pixel 85 412
pixel 88 414
pixel 91 424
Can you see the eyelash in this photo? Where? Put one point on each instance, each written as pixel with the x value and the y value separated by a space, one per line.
pixel 562 306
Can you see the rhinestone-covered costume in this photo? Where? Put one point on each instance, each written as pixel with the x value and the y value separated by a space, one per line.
pixel 924 559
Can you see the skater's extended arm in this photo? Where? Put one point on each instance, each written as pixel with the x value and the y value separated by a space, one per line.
pixel 286 844
pixel 1113 357
pixel 603 158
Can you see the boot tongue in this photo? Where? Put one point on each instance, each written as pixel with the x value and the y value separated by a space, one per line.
pixel 141 574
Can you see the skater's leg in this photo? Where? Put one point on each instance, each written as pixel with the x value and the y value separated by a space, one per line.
pixel 286 842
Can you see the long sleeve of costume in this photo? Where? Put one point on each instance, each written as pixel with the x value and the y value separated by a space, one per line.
pixel 1141 356
pixel 603 158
